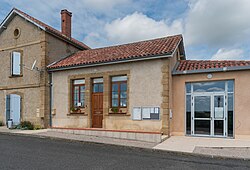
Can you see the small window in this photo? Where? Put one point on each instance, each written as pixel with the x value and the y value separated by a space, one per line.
pixel 17 33
pixel 78 90
pixel 16 63
pixel 119 91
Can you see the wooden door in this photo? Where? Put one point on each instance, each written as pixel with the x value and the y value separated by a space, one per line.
pixel 97 104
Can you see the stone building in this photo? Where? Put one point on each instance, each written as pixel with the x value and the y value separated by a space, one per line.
pixel 27 46
pixel 145 89
pixel 118 88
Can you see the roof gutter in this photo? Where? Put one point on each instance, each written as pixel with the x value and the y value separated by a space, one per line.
pixel 212 70
pixel 109 63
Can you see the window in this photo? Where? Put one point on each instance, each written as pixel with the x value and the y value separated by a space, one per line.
pixel 119 91
pixel 98 85
pixel 78 90
pixel 16 63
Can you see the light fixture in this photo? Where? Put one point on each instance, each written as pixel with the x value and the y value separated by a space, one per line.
pixel 209 76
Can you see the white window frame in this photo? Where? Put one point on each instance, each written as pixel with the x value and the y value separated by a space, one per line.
pixel 16 60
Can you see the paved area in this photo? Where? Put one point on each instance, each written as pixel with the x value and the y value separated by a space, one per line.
pixel 26 152
pixel 236 148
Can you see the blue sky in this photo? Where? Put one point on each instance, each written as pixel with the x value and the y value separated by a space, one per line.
pixel 212 29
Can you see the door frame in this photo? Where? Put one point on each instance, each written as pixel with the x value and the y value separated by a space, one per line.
pixel 212 117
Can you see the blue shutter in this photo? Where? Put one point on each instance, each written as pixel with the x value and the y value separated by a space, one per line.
pixel 7 108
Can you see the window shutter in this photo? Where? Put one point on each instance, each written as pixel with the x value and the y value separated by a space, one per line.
pixel 16 63
pixel 7 108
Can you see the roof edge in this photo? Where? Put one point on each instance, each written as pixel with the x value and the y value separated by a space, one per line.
pixel 108 63
pixel 19 12
pixel 211 70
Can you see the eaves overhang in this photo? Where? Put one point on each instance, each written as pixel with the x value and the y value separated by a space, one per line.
pixel 108 62
pixel 211 70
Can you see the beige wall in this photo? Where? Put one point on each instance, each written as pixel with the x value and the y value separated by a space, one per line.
pixel 33 86
pixel 145 89
pixel 241 99
pixel 27 86
pixel 58 49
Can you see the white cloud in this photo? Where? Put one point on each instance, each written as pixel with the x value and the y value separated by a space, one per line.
pixel 217 22
pixel 228 54
pixel 138 26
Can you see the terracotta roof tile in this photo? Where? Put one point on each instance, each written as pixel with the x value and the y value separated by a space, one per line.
pixel 192 65
pixel 161 46
pixel 51 29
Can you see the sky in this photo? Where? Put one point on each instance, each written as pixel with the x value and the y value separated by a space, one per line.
pixel 212 29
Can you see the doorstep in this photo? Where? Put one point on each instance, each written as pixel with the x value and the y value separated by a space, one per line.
pixel 154 137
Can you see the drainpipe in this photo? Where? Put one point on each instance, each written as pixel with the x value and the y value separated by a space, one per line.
pixel 50 96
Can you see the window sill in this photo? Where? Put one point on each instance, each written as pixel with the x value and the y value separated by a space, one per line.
pixel 77 114
pixel 15 76
pixel 119 114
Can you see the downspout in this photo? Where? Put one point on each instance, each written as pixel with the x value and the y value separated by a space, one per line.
pixel 50 96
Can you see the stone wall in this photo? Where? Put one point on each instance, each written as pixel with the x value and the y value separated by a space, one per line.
pixel 145 88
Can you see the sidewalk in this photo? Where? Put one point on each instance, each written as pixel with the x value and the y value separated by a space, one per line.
pixel 232 148
pixel 220 147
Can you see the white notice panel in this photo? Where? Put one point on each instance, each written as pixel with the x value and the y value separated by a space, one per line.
pixel 146 112
pixel 137 113
pixel 219 112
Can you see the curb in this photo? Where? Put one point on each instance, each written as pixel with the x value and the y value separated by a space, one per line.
pixel 127 146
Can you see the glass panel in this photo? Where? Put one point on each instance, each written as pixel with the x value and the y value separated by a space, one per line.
pixel 218 127
pixel 82 81
pixel 124 87
pixel 16 63
pixel 230 114
pixel 202 107
pixel 115 103
pixel 114 95
pixel 123 95
pixel 76 95
pixel 188 114
pixel 119 78
pixel 216 86
pixel 230 84
pixel 95 88
pixel 188 87
pixel 219 107
pixel 114 87
pixel 100 87
pixel 82 95
pixel 98 80
pixel 123 102
pixel 202 127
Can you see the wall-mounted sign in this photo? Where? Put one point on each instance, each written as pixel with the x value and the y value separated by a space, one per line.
pixel 137 113
pixel 219 112
pixel 146 113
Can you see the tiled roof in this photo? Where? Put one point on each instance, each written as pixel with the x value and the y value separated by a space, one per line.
pixel 207 65
pixel 52 30
pixel 137 50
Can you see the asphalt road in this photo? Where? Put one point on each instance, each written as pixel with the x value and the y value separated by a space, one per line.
pixel 21 152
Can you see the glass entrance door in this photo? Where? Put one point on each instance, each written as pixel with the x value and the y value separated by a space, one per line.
pixel 219 115
pixel 208 116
